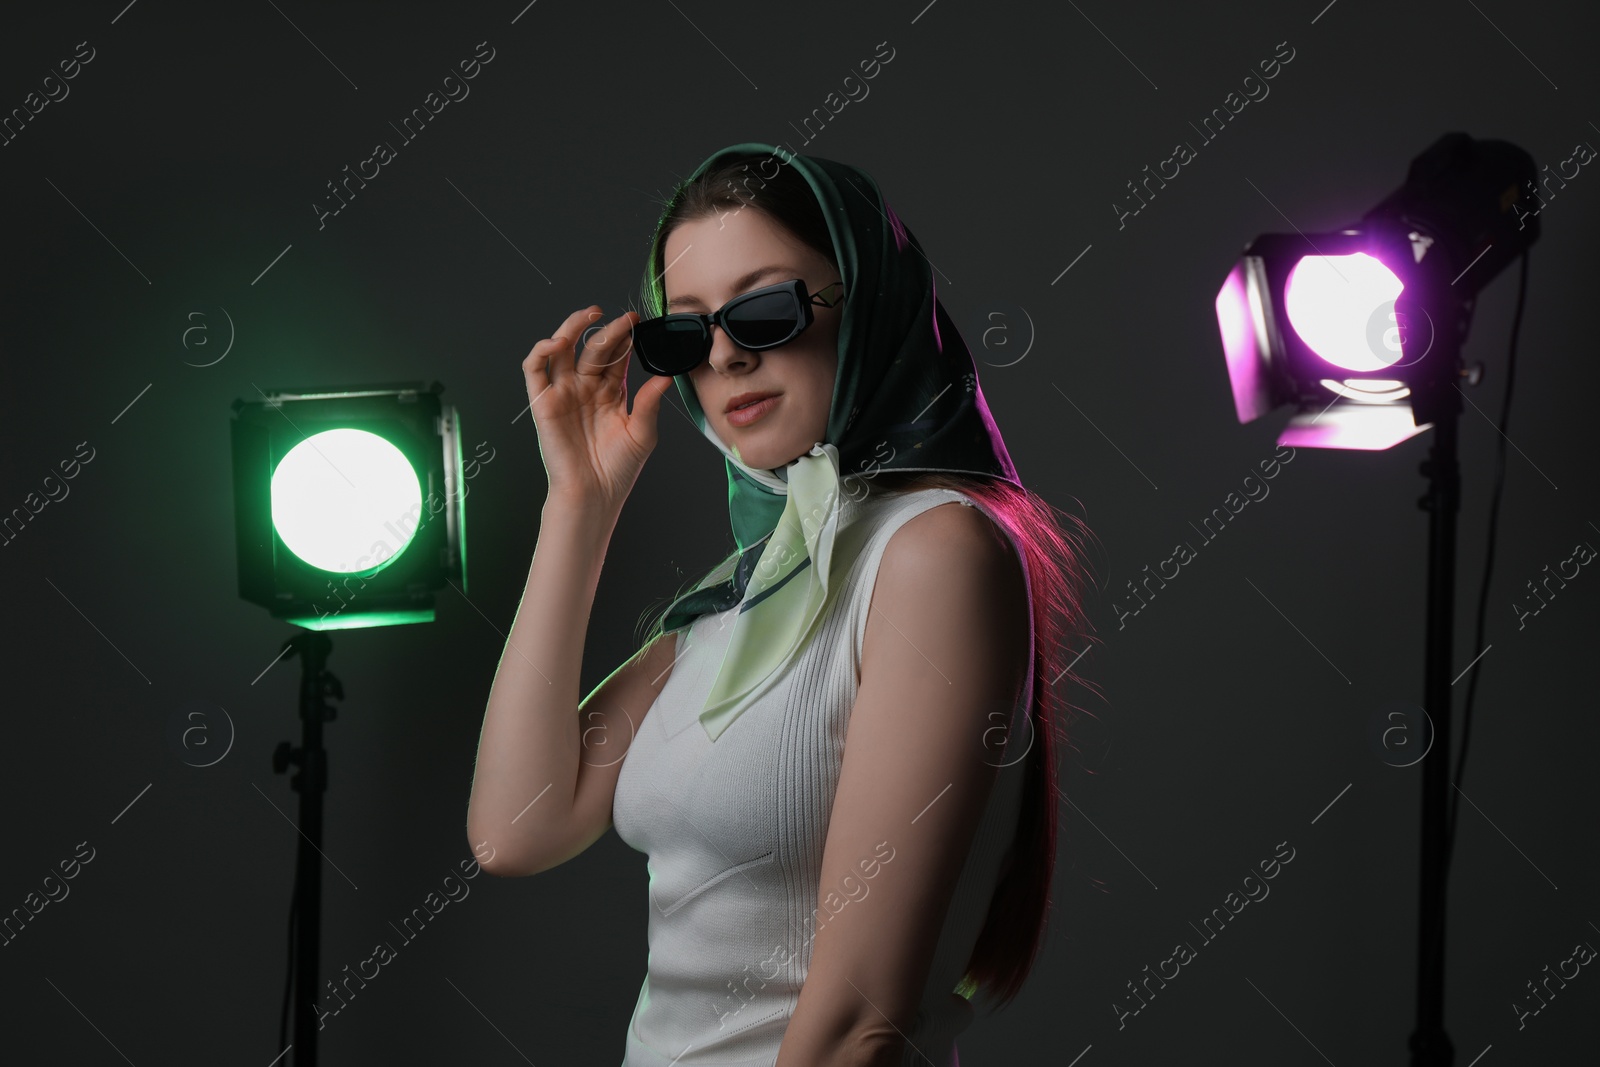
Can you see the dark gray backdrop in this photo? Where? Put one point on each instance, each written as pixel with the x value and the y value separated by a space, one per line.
pixel 178 175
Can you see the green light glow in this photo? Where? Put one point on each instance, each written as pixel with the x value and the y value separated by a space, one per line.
pixel 346 501
pixel 358 622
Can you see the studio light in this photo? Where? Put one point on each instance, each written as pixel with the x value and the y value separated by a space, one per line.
pixel 348 505
pixel 1361 329
pixel 349 511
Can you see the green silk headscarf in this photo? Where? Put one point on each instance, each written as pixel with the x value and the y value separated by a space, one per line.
pixel 906 381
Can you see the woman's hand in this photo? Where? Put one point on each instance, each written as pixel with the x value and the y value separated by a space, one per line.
pixel 593 449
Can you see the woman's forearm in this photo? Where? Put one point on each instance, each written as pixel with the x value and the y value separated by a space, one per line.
pixel 528 750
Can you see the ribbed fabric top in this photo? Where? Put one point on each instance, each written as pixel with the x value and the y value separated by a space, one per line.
pixel 734 831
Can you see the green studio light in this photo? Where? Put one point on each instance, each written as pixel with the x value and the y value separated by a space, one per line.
pixel 348 504
pixel 349 511
pixel 333 494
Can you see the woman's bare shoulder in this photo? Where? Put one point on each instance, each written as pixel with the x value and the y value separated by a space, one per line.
pixel 956 539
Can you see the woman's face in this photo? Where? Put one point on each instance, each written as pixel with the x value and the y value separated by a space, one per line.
pixel 709 262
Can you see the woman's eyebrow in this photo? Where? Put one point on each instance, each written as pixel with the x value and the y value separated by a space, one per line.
pixel 739 286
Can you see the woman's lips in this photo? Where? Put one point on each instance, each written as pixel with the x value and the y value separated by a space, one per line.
pixel 746 415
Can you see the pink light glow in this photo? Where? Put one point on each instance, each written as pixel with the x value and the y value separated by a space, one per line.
pixel 1342 308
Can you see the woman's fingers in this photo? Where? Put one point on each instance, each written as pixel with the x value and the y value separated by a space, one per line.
pixel 539 366
pixel 607 348
pixel 571 334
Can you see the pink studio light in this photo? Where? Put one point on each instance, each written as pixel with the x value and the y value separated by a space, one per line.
pixel 1342 309
pixel 1333 303
pixel 1360 331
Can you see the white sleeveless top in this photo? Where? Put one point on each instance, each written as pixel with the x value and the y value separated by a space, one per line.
pixel 734 830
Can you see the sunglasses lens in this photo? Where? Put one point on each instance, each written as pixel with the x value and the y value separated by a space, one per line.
pixel 669 345
pixel 763 321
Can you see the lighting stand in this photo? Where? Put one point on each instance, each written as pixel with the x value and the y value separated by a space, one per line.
pixel 311 782
pixel 1440 404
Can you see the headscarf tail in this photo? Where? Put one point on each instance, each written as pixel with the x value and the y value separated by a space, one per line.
pixel 791 585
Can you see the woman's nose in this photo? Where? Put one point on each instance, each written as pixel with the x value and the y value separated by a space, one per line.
pixel 724 353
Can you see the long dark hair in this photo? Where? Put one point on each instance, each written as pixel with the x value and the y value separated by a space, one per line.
pixel 1018 919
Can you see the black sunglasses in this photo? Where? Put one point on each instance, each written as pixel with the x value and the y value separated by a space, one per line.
pixel 760 319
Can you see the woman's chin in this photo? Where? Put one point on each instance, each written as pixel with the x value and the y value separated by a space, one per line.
pixel 760 462
pixel 766 458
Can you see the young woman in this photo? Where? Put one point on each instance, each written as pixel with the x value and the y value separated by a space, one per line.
pixel 838 750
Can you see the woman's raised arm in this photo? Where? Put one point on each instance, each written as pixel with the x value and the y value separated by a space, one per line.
pixel 525 785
